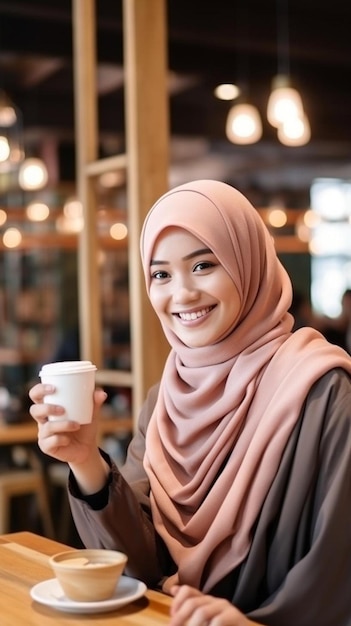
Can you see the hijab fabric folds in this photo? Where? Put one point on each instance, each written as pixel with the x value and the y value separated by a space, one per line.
pixel 225 412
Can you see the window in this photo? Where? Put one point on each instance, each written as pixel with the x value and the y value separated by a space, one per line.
pixel 330 244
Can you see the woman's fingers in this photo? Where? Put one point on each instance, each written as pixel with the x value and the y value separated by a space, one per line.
pixel 99 397
pixel 39 391
pixel 194 608
pixel 58 437
pixel 40 410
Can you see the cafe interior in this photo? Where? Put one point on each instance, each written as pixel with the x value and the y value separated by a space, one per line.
pixel 104 105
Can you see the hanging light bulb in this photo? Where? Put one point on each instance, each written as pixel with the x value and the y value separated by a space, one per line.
pixel 33 174
pixel 37 211
pixel 295 131
pixel 244 124
pixel 227 91
pixel 285 109
pixel 4 149
pixel 11 136
pixel 8 115
pixel 284 102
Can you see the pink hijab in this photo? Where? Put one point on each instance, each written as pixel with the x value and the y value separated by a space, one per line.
pixel 225 412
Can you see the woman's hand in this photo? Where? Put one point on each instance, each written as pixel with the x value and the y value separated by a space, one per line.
pixel 190 607
pixel 63 439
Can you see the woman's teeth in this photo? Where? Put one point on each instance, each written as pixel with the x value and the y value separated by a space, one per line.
pixel 187 317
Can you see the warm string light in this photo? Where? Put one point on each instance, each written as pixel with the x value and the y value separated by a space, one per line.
pixel 69 221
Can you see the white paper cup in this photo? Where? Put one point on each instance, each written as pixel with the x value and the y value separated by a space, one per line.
pixel 74 382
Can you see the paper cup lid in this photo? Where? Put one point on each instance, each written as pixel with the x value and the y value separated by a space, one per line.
pixel 67 367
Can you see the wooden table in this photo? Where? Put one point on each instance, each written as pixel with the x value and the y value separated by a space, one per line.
pixel 24 562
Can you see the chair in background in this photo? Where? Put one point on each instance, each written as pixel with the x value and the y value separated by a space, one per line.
pixel 23 481
pixel 58 476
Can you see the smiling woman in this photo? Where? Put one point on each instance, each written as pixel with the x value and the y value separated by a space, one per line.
pixel 234 497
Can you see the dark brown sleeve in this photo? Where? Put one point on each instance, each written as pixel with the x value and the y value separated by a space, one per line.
pixel 125 522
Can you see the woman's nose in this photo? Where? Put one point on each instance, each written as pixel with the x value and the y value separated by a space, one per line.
pixel 184 294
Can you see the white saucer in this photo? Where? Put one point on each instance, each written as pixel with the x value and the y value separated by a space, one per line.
pixel 50 592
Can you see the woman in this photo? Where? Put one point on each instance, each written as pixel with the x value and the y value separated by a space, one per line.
pixel 235 495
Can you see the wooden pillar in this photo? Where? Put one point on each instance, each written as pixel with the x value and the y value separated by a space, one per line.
pixel 147 140
pixel 84 49
pixel 147 164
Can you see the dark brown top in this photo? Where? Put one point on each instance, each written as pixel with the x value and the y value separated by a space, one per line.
pixel 298 570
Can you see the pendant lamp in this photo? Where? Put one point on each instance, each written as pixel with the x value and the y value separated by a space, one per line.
pixel 11 134
pixel 295 131
pixel 33 174
pixel 285 109
pixel 244 124
pixel 284 102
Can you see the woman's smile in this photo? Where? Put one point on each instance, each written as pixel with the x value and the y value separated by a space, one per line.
pixel 192 316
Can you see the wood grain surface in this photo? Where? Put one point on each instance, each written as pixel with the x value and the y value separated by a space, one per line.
pixel 24 562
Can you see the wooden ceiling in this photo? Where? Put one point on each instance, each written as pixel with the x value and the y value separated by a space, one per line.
pixel 208 43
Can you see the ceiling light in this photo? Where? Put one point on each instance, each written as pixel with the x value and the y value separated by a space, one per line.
pixel 108 180
pixel 8 115
pixel 118 231
pixel 244 124
pixel 73 208
pixel 284 102
pixel 4 149
pixel 277 218
pixel 11 135
pixel 12 238
pixel 285 109
pixel 3 217
pixel 302 231
pixel 295 131
pixel 227 91
pixel 37 211
pixel 32 174
pixel 69 225
pixel 72 219
pixel 311 219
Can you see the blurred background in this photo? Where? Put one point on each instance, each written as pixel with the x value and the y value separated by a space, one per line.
pixel 226 62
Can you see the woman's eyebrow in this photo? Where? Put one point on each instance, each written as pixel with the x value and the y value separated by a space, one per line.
pixel 185 258
pixel 197 253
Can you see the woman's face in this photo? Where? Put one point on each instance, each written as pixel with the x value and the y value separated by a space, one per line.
pixel 190 290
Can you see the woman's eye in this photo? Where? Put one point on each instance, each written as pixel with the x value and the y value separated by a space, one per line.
pixel 203 265
pixel 160 275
